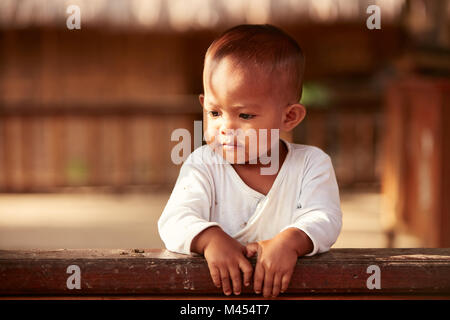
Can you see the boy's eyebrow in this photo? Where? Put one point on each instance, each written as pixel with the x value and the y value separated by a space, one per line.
pixel 212 104
pixel 236 106
pixel 241 106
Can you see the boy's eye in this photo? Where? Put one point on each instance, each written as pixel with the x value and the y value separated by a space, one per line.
pixel 213 113
pixel 246 116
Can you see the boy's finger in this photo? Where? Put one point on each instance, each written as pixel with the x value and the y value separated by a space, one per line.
pixel 268 282
pixel 285 281
pixel 251 249
pixel 235 275
pixel 225 279
pixel 215 275
pixel 247 270
pixel 258 278
pixel 276 284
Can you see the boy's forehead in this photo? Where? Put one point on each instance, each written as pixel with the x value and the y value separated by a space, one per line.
pixel 226 77
pixel 240 70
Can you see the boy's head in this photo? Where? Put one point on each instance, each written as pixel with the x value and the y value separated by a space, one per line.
pixel 252 80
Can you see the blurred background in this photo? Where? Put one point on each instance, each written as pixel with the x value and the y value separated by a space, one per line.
pixel 86 115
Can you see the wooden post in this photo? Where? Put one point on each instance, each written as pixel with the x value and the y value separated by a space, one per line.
pixel 416 175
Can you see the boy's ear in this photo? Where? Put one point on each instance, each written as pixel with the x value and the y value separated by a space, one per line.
pixel 293 115
pixel 201 98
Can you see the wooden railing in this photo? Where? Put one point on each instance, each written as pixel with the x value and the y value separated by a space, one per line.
pixel 151 273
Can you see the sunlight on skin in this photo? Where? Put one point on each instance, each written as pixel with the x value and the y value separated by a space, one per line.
pixel 244 99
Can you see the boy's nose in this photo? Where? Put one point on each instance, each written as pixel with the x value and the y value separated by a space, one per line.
pixel 226 131
pixel 227 127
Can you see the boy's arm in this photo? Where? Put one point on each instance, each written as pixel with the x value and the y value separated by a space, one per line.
pixel 297 240
pixel 188 209
pixel 318 212
pixel 184 227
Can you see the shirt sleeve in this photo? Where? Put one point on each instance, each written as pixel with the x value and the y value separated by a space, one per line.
pixel 187 212
pixel 318 212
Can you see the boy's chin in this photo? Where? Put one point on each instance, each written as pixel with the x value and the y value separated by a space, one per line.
pixel 234 157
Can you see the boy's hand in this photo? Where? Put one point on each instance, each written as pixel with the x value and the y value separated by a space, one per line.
pixel 225 257
pixel 276 260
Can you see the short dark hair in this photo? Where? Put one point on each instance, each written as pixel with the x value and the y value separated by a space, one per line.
pixel 264 46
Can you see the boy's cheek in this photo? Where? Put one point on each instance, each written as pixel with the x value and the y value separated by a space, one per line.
pixel 210 135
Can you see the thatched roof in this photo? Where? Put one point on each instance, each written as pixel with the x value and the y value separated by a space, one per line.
pixel 187 14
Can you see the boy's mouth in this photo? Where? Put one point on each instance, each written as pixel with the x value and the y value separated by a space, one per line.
pixel 231 144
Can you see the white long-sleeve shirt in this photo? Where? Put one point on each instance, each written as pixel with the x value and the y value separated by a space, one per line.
pixel 209 192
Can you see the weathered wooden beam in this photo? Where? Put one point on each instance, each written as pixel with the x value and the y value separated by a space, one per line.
pixel 152 272
pixel 182 107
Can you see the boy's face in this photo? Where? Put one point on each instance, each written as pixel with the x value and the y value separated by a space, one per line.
pixel 238 102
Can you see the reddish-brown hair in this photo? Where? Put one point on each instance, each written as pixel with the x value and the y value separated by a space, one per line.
pixel 264 46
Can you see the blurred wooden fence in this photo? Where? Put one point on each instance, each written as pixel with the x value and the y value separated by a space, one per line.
pixel 78 109
pixel 114 146
pixel 45 149
pixel 352 135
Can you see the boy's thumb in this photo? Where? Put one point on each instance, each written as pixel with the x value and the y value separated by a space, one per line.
pixel 251 249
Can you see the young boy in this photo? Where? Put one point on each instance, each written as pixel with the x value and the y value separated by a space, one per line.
pixel 229 209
